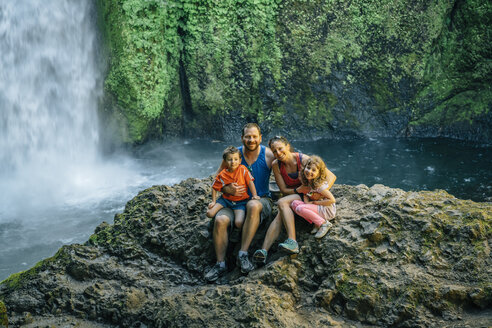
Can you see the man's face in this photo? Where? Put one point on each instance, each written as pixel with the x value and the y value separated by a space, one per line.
pixel 251 138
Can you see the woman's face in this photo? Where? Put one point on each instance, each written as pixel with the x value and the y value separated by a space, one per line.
pixel 280 150
pixel 311 171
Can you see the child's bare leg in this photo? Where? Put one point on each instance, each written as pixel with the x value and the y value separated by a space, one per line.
pixel 239 218
pixel 212 211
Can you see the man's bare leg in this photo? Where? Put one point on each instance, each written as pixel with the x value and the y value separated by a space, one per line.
pixel 253 211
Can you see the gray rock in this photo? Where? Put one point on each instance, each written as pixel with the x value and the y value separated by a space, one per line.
pixel 393 258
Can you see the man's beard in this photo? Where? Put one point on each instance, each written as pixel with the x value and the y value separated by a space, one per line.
pixel 252 147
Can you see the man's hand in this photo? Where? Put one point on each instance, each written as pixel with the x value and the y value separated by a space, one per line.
pixel 234 189
pixel 256 197
pixel 212 204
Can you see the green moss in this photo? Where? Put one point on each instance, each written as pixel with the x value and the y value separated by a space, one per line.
pixel 458 71
pixel 19 279
pixel 195 61
pixel 143 42
pixel 4 321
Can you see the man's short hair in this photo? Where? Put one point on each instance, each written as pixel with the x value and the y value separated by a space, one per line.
pixel 250 125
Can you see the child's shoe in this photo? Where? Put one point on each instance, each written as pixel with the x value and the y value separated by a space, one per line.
pixel 315 230
pixel 323 229
pixel 290 245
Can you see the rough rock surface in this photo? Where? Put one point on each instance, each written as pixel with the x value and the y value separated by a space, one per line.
pixel 393 258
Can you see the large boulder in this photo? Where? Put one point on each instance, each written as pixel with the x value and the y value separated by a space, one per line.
pixel 393 258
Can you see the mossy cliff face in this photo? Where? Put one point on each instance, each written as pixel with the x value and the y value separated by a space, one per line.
pixel 392 258
pixel 302 68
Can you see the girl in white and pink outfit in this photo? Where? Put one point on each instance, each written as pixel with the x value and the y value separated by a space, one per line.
pixel 318 206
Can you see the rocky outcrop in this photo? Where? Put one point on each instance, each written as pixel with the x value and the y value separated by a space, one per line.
pixel 393 258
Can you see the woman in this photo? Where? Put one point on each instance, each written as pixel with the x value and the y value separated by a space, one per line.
pixel 286 167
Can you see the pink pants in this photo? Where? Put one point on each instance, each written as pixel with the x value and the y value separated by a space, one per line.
pixel 308 211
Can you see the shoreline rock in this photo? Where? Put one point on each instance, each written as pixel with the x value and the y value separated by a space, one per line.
pixel 393 258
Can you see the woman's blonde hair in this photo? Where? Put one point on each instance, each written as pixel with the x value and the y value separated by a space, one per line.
pixel 322 177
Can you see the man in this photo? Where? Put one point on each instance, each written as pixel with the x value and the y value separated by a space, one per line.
pixel 258 159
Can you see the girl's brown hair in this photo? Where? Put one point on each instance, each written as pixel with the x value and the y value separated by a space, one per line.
pixel 322 177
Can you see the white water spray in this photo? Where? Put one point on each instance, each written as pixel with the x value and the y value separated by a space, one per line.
pixel 50 85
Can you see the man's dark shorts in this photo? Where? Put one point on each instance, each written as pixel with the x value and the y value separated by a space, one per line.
pixel 265 215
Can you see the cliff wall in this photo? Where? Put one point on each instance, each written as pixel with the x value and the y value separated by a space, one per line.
pixel 305 69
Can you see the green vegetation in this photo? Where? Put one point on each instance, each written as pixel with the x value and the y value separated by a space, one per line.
pixel 4 321
pixel 17 280
pixel 183 64
pixel 458 72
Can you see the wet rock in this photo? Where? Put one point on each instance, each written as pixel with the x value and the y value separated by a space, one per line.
pixel 393 258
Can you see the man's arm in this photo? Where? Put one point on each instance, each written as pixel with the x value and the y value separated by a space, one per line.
pixel 222 166
pixel 269 157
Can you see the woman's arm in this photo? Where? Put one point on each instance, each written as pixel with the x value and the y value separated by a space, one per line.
pixel 280 180
pixel 331 178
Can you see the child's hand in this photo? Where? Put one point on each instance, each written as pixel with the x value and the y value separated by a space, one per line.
pixel 255 197
pixel 212 204
pixel 303 189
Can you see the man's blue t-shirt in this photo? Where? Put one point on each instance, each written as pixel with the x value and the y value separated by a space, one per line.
pixel 260 171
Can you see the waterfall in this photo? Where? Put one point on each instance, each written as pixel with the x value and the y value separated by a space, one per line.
pixel 50 85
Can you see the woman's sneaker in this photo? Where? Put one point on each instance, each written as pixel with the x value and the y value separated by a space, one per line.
pixel 260 256
pixel 323 229
pixel 290 245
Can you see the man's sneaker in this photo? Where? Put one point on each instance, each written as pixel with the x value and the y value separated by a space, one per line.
pixel 323 229
pixel 215 272
pixel 290 245
pixel 244 263
pixel 260 256
pixel 235 235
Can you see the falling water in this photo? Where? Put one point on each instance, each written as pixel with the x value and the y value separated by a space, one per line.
pixel 49 90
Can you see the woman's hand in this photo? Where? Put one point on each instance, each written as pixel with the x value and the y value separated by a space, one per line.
pixel 256 197
pixel 212 204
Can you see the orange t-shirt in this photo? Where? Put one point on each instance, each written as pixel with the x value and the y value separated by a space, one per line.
pixel 241 176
